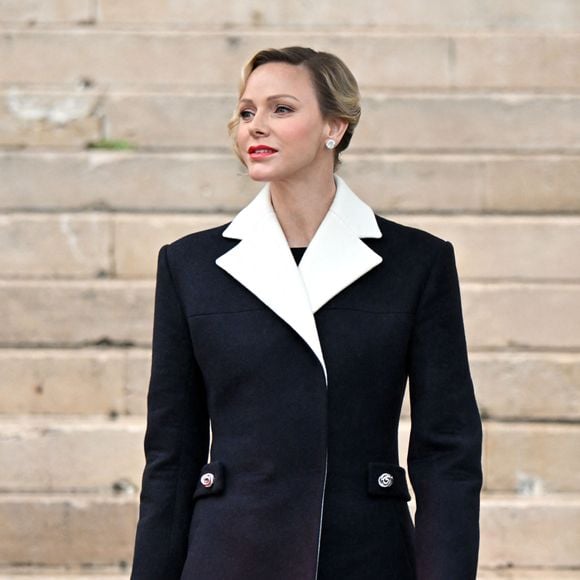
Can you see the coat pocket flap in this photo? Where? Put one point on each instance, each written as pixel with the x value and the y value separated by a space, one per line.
pixel 388 480
pixel 211 479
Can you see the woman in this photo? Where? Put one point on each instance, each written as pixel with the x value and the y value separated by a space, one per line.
pixel 300 363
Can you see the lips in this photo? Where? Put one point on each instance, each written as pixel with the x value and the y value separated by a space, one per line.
pixel 261 151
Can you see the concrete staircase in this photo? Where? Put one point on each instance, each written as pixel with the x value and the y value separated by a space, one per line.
pixel 113 142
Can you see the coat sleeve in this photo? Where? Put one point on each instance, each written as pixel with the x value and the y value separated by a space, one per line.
pixel 176 439
pixel 444 458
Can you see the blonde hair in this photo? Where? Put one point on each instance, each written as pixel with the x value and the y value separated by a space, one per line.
pixel 335 85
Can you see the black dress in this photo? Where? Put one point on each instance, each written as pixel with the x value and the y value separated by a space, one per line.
pixel 298 253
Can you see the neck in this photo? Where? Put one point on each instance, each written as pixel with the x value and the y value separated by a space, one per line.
pixel 301 205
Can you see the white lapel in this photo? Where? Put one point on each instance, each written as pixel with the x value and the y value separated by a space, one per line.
pixel 335 258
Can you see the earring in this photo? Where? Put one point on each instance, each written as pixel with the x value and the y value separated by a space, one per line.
pixel 330 144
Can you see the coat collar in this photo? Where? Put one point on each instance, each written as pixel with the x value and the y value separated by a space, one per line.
pixel 334 259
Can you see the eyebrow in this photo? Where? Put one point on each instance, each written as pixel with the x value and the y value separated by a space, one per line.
pixel 271 98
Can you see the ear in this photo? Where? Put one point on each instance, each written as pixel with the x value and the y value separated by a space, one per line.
pixel 336 129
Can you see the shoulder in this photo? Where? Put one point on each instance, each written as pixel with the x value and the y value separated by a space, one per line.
pixel 409 242
pixel 198 248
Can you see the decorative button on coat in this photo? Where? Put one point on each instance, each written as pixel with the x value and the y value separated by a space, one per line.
pixel 207 479
pixel 385 480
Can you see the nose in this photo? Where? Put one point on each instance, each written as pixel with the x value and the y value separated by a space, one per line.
pixel 258 125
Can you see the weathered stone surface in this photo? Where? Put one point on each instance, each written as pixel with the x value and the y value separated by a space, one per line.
pixel 132 181
pixel 78 246
pixel 77 56
pixel 34 12
pixel 473 109
pixel 425 123
pixel 527 186
pixel 469 123
pixel 138 375
pixel 27 573
pixel 212 60
pixel 71 455
pixel 483 574
pixel 508 574
pixel 78 530
pixel 42 573
pixel 170 119
pixel 516 386
pixel 63 381
pixel 40 118
pixel 59 573
pixel 509 385
pixel 76 312
pixel 515 315
pixel 67 530
pixel 508 248
pixel 138 239
pixel 122 180
pixel 501 61
pixel 463 182
pixel 487 247
pixel 531 458
pixel 66 245
pixel 522 574
pixel 527 385
pixel 401 15
pixel 529 532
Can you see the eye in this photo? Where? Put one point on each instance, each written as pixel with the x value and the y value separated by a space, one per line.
pixel 245 114
pixel 283 109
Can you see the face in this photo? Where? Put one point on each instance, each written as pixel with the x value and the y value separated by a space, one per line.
pixel 281 132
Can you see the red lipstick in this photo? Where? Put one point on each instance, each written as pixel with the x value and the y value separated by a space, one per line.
pixel 261 151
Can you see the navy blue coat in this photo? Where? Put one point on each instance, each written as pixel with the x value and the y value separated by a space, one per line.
pixel 300 372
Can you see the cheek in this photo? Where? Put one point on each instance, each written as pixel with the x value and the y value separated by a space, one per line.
pixel 306 134
pixel 239 134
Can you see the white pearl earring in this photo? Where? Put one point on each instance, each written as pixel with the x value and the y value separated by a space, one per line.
pixel 330 144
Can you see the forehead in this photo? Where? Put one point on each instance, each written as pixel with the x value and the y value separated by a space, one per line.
pixel 279 78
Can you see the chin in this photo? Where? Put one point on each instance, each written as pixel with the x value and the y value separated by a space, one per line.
pixel 262 174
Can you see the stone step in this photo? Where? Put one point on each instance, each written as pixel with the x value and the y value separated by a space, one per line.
pixel 521 574
pixel 427 123
pixel 65 530
pixel 80 313
pixel 483 574
pixel 524 458
pixel 120 245
pixel 527 385
pixel 25 573
pixel 50 119
pixel 531 458
pixel 68 454
pixel 510 574
pixel 398 14
pixel 63 313
pixel 465 15
pixel 89 381
pixel 56 246
pixel 532 386
pixel 34 12
pixel 500 61
pixel 533 532
pixel 522 247
pixel 190 181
